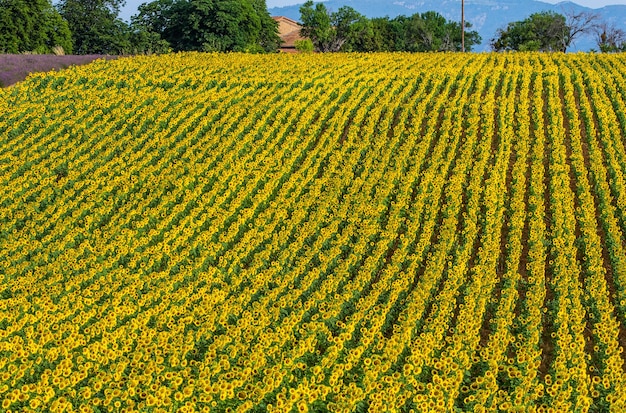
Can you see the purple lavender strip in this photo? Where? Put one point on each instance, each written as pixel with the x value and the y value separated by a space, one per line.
pixel 15 67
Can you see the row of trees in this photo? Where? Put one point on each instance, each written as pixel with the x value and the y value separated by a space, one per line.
pixel 554 32
pixel 93 26
pixel 348 30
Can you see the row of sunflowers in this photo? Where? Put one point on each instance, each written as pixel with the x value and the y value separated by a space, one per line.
pixel 341 233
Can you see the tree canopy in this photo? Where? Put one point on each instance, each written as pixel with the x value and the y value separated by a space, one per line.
pixel 211 25
pixel 32 26
pixel 430 32
pixel 329 32
pixel 545 31
pixel 347 30
pixel 539 32
pixel 95 26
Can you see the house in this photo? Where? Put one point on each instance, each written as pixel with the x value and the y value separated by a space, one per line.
pixel 289 32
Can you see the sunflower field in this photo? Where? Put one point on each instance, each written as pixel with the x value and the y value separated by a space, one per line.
pixel 315 233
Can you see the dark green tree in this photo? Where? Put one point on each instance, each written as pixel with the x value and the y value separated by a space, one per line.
pixel 95 26
pixel 144 41
pixel 431 32
pixel 57 31
pixel 154 16
pixel 269 40
pixel 332 32
pixel 355 28
pixel 211 25
pixel 383 37
pixel 32 26
pixel 545 31
pixel 399 39
pixel 316 25
pixel 426 32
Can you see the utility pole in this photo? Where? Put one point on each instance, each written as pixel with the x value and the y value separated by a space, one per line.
pixel 463 25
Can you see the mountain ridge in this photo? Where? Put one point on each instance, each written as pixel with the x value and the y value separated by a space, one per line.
pixel 486 16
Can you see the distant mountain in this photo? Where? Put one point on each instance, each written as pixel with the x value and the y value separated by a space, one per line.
pixel 486 16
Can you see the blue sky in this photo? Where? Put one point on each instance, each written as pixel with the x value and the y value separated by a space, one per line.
pixel 278 3
pixel 594 4
pixel 131 5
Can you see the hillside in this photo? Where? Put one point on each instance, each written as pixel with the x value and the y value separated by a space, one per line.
pixel 486 16
pixel 323 233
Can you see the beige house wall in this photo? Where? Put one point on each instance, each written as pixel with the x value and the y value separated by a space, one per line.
pixel 289 32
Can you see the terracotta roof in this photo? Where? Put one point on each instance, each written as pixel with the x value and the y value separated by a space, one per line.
pixel 286 19
pixel 289 40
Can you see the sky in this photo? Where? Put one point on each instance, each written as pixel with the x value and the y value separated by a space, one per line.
pixel 279 3
pixel 587 3
pixel 594 4
pixel 131 5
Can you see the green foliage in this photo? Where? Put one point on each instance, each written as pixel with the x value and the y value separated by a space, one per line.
pixel 145 42
pixel 304 45
pixel 351 26
pixel 32 26
pixel 210 25
pixel 58 32
pixel 329 32
pixel 315 24
pixel 545 31
pixel 268 38
pixel 427 32
pixel 95 26
pixel 347 30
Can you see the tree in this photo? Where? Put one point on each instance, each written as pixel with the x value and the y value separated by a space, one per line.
pixel 382 38
pixel 144 41
pixel 211 25
pixel 610 39
pixel 579 23
pixel 431 32
pixel 329 32
pixel 350 28
pixel 304 45
pixel 154 16
pixel 32 26
pixel 145 31
pixel 316 25
pixel 426 32
pixel 95 26
pixel 544 31
pixel 57 32
pixel 268 39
